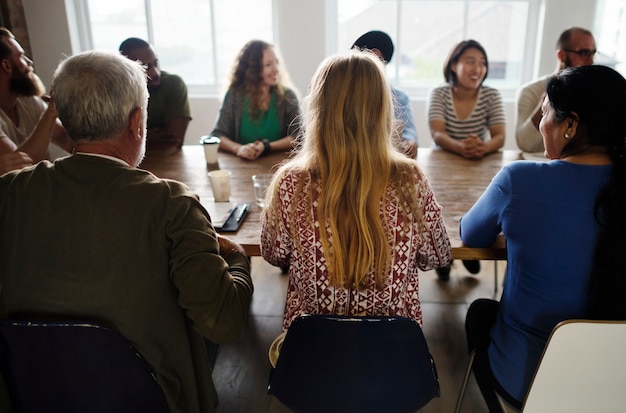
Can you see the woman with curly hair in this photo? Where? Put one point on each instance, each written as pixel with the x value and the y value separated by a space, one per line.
pixel 260 112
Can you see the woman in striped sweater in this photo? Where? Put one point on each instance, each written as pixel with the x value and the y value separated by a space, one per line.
pixel 465 116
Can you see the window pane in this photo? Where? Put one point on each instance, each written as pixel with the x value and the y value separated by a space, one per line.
pixel 237 22
pixel 426 31
pixel 112 21
pixel 505 48
pixel 183 36
pixel 360 16
pixel 611 36
pixel 182 39
pixel 429 30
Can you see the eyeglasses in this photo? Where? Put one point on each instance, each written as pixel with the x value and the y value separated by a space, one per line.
pixel 584 53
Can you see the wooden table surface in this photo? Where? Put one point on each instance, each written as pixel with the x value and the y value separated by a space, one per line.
pixel 457 183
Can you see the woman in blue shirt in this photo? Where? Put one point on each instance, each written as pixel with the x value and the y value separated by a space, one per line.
pixel 554 216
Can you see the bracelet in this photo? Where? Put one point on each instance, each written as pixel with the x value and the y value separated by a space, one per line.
pixel 266 147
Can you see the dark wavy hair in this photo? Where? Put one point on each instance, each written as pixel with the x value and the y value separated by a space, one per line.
pixel 455 55
pixel 595 96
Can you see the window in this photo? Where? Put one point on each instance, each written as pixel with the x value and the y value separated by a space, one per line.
pixel 424 32
pixel 610 33
pixel 196 39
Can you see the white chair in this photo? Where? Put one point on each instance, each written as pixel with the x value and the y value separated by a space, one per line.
pixel 582 369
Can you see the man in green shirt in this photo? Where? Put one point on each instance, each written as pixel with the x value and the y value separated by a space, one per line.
pixel 168 107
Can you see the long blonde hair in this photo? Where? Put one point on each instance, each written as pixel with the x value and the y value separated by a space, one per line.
pixel 347 147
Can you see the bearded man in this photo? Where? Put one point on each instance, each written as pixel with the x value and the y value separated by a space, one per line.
pixel 29 129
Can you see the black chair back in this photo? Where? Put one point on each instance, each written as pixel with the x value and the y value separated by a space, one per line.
pixel 75 367
pixel 354 364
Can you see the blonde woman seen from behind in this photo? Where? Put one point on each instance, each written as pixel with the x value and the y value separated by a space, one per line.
pixel 351 217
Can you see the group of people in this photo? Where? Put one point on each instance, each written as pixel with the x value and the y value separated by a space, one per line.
pixel 354 221
pixel 30 130
pixel 260 112
pixel 350 215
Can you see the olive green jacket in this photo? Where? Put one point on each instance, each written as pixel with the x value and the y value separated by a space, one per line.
pixel 91 238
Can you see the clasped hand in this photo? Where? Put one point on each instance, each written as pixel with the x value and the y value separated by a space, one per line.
pixel 473 147
pixel 251 150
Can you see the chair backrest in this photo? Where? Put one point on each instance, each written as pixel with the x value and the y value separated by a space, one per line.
pixel 75 367
pixel 583 369
pixel 354 364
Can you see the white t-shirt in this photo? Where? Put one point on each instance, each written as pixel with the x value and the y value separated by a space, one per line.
pixel 29 110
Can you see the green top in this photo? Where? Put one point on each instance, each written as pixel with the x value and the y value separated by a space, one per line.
pixel 267 126
pixel 168 101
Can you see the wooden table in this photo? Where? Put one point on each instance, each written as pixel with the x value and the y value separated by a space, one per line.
pixel 457 183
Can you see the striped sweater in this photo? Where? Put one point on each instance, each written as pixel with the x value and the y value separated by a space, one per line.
pixel 489 111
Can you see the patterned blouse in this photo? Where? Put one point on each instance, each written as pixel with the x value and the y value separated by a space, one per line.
pixel 488 112
pixel 414 247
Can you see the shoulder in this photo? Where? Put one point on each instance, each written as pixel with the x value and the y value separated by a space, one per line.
pixel 234 93
pixel 290 95
pixel 536 83
pixel 32 103
pixel 490 91
pixel 533 88
pixel 441 93
pixel 525 170
pixel 172 79
pixel 401 98
pixel 146 185
pixel 490 94
pixel 440 90
pixel 289 92
pixel 293 174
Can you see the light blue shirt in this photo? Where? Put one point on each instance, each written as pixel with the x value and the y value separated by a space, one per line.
pixel 402 112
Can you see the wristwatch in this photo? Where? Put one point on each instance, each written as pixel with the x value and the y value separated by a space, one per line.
pixel 266 146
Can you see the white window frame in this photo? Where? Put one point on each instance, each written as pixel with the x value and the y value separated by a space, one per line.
pixel 530 54
pixel 82 35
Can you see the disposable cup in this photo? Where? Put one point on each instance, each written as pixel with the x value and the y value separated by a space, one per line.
pixel 220 184
pixel 261 182
pixel 211 145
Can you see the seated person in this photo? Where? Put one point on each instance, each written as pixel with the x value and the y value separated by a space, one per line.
pixel 381 45
pixel 564 225
pixel 353 219
pixel 168 107
pixel 260 112
pixel 575 47
pixel 29 129
pixel 465 116
pixel 90 236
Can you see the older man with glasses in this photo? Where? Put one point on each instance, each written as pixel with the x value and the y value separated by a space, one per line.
pixel 575 47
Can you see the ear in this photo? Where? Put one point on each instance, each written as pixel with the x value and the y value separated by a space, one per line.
pixel 572 124
pixel 135 123
pixel 560 55
pixel 6 65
